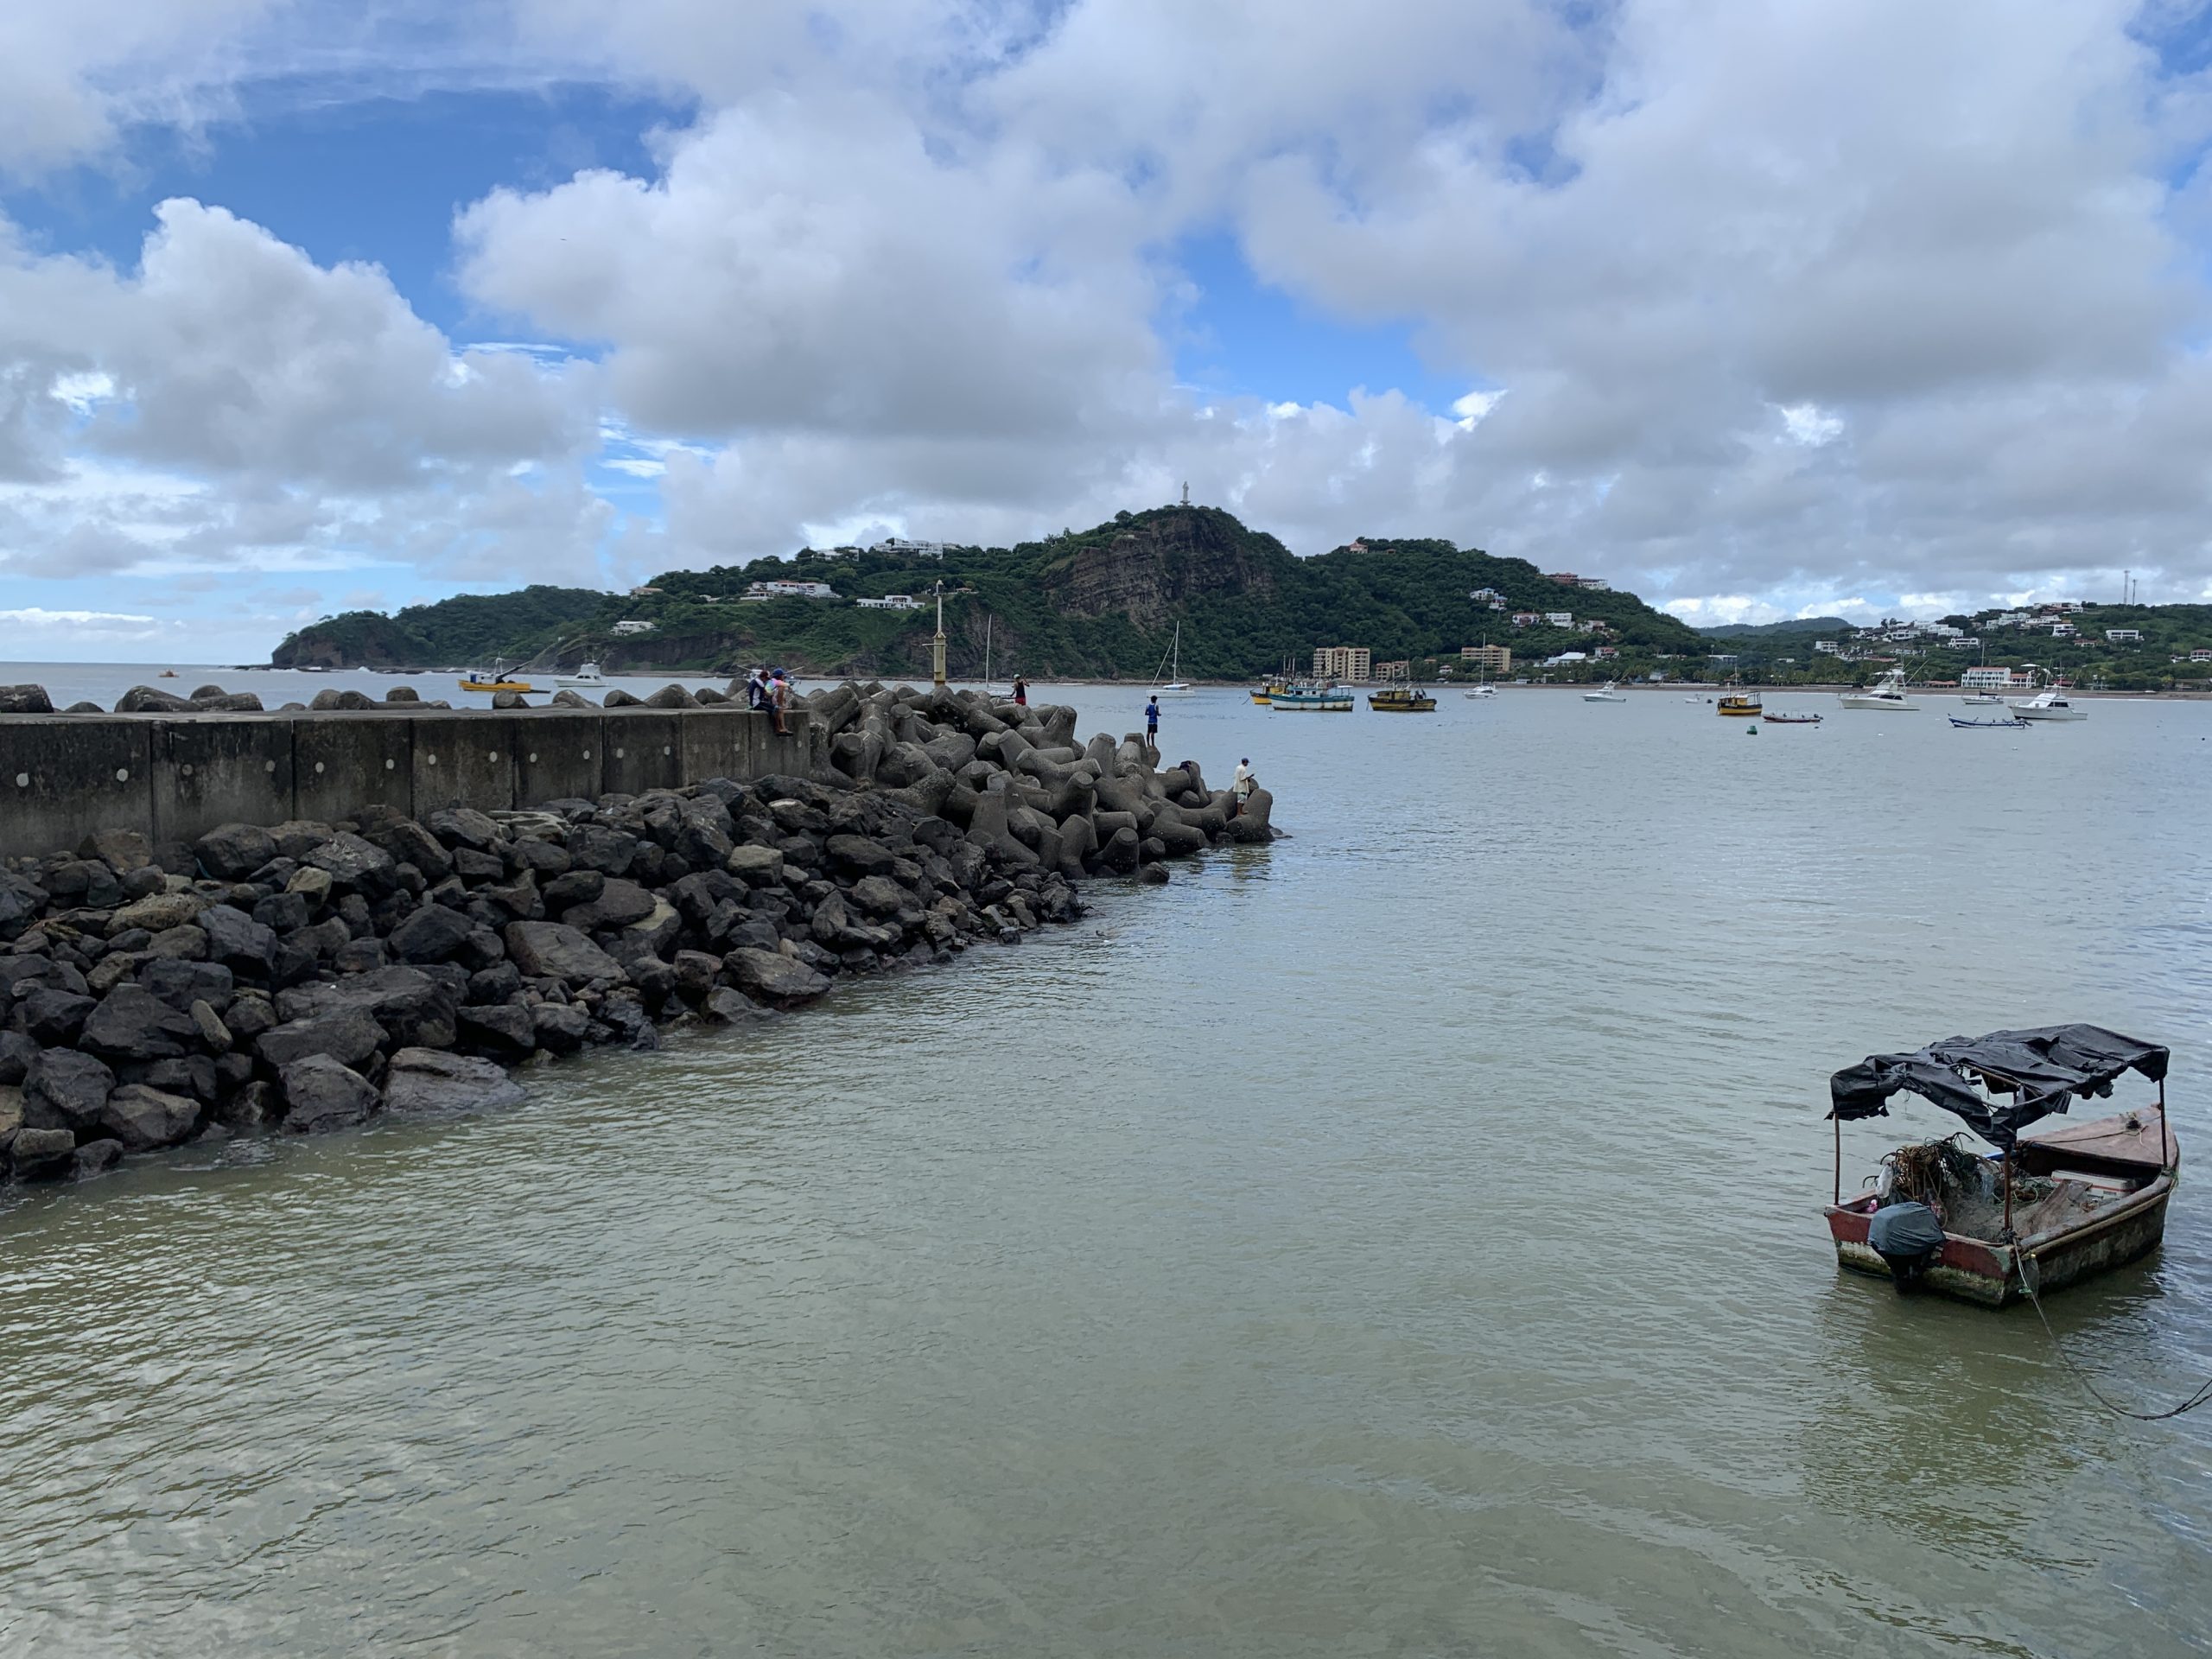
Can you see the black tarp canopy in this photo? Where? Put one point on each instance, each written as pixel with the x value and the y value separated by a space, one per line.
pixel 2041 1069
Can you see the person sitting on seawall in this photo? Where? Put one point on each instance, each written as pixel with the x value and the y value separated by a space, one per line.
pixel 756 691
pixel 780 698
pixel 1020 691
pixel 1241 788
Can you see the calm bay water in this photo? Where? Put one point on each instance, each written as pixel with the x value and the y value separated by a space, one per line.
pixel 1404 1239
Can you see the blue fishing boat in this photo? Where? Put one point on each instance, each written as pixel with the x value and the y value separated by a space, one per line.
pixel 1313 699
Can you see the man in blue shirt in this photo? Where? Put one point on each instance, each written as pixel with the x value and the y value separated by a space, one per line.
pixel 1152 725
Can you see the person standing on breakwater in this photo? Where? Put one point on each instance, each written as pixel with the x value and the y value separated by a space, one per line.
pixel 1020 692
pixel 780 698
pixel 1241 787
pixel 1152 725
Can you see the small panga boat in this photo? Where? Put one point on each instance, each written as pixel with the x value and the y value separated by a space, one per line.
pixel 2013 725
pixel 2047 1211
pixel 1402 700
pixel 498 680
pixel 1791 719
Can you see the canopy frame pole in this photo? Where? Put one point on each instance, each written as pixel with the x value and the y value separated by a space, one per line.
pixel 2006 1177
pixel 1838 1156
pixel 2162 1120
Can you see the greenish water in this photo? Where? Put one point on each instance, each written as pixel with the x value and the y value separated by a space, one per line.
pixel 1403 1240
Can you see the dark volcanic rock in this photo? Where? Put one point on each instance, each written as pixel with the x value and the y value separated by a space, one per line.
pixel 231 852
pixel 423 1080
pixel 561 1029
pixel 24 700
pixel 144 1118
pixel 414 1006
pixel 132 1024
pixel 43 1154
pixel 769 976
pixel 64 1089
pixel 320 1094
pixel 501 1028
pixel 619 905
pixel 554 950
pixel 348 1036
pixel 433 933
pixel 237 941
pixel 53 1017
pixel 350 862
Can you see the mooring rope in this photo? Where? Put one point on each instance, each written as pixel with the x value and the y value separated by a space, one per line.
pixel 2028 1283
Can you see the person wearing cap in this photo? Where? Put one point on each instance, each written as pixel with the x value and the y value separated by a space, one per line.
pixel 1241 788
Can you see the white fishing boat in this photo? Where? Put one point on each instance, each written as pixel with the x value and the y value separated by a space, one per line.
pixel 1481 691
pixel 1888 692
pixel 1984 699
pixel 1609 692
pixel 2049 703
pixel 586 678
pixel 1173 662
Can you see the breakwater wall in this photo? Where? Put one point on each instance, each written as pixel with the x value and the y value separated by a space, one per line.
pixel 172 778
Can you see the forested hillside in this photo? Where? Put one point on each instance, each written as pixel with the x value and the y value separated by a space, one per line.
pixel 1104 602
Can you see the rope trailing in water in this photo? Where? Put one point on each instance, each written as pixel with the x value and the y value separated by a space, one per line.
pixel 2032 1271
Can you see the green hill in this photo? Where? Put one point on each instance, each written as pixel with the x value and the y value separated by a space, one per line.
pixel 1102 603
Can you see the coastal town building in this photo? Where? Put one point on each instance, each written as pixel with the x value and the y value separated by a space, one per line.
pixel 1342 663
pixel 2200 655
pixel 891 602
pixel 630 624
pixel 1559 618
pixel 1402 669
pixel 906 549
pixel 1826 648
pixel 1489 597
pixel 764 590
pixel 2121 636
pixel 1564 658
pixel 2065 631
pixel 1495 659
pixel 1985 679
pixel 637 592
pixel 1527 619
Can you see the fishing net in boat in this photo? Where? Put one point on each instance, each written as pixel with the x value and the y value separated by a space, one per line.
pixel 1967 1190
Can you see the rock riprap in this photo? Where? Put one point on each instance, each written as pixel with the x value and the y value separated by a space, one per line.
pixel 301 977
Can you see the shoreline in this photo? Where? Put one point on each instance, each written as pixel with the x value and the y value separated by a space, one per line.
pixel 308 975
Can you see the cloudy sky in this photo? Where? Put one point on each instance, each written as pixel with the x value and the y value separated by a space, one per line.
pixel 1760 309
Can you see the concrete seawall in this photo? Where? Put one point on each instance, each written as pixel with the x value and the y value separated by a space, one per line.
pixel 175 777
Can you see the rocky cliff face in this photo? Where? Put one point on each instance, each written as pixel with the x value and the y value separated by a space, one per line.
pixel 1158 561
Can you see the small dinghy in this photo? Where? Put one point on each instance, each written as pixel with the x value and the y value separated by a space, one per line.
pixel 1989 725
pixel 1791 719
pixel 2045 1211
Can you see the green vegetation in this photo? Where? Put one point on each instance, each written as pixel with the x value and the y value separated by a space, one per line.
pixel 1101 602
pixel 452 633
pixel 1104 603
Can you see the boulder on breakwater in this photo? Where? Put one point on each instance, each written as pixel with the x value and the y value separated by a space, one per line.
pixel 305 976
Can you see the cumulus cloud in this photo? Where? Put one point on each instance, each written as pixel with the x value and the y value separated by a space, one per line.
pixel 1767 309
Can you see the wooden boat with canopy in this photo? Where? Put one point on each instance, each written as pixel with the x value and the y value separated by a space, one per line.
pixel 2044 1212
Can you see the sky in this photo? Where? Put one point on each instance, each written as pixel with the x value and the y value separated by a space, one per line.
pixel 1801 308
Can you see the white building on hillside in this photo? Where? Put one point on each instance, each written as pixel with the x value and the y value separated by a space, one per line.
pixel 891 602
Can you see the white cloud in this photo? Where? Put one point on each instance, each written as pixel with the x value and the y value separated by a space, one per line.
pixel 1797 305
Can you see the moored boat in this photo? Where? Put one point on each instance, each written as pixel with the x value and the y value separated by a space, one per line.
pixel 1791 719
pixel 1402 700
pixel 498 680
pixel 2049 703
pixel 1887 692
pixel 1485 690
pixel 585 678
pixel 2047 1211
pixel 1742 704
pixel 1609 692
pixel 1313 699
pixel 2015 724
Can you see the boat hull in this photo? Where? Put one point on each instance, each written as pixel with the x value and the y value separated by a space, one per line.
pixel 1900 705
pixel 2049 714
pixel 1990 1274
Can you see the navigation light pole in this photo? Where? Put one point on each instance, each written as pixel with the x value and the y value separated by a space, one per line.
pixel 937 647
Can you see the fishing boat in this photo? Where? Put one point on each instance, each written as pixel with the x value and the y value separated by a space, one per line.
pixel 1173 686
pixel 498 680
pixel 1484 691
pixel 2044 1212
pixel 1609 692
pixel 1791 719
pixel 1313 699
pixel 1742 704
pixel 1887 692
pixel 1984 699
pixel 1402 700
pixel 586 678
pixel 2049 703
pixel 2015 724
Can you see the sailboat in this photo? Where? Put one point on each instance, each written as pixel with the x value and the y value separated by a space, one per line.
pixel 1173 662
pixel 1988 699
pixel 1484 689
pixel 990 691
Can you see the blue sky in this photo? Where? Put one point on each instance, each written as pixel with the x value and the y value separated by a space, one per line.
pixel 1846 308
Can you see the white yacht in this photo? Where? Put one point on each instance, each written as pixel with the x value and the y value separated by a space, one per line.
pixel 1888 692
pixel 1609 692
pixel 1482 690
pixel 1986 699
pixel 2049 703
pixel 586 678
